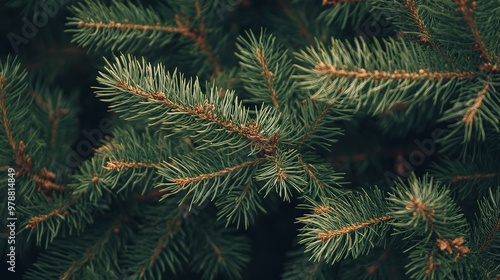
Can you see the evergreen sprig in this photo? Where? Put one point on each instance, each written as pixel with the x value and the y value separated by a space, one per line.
pixel 349 225
pixel 266 69
pixel 377 75
pixel 171 100
pixel 199 176
pixel 427 206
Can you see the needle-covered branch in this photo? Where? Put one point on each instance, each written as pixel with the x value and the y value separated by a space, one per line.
pixel 137 90
pixel 428 206
pixel 266 69
pixel 349 225
pixel 378 75
pixel 204 176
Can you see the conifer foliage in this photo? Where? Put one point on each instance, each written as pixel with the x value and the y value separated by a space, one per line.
pixel 218 119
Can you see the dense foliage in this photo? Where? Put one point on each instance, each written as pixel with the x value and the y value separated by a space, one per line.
pixel 359 136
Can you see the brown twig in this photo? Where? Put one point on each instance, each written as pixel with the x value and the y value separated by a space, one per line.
pixel 325 236
pixel 322 209
pixel 34 221
pixel 471 112
pixel 115 165
pixel 467 12
pixel 208 176
pixel 363 74
pixel 494 231
pixel 476 176
pixel 268 75
pixel 315 124
pixel 410 4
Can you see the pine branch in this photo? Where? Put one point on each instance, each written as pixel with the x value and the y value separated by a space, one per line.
pixel 487 226
pixel 201 41
pixel 311 125
pixel 494 231
pixel 428 206
pixel 467 10
pixel 47 217
pixel 127 164
pixel 425 37
pixel 217 251
pixel 161 244
pixel 345 15
pixel 322 181
pixel 470 177
pixel 198 182
pixel 315 124
pixel 89 255
pixel 45 181
pixel 34 221
pixel 474 111
pixel 124 20
pixel 173 93
pixel 128 26
pixel 241 205
pixel 97 182
pixel 266 69
pixel 191 145
pixel 282 173
pixel 22 160
pixel 347 225
pixel 309 170
pixel 268 75
pixel 14 112
pixel 444 258
pixel 430 265
pixel 468 118
pixel 172 227
pixel 378 75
